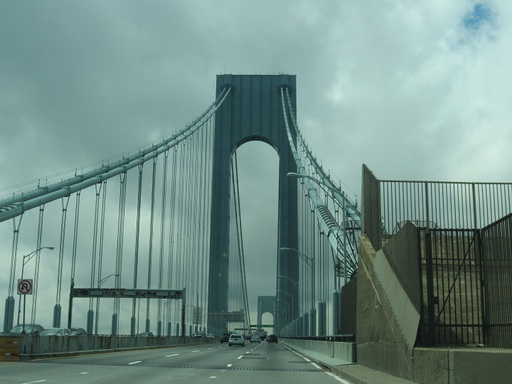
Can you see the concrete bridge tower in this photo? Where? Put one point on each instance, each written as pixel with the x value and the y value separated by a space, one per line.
pixel 252 111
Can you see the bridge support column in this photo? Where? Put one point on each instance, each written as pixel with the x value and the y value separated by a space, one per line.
pixel 305 324
pixel 113 332
pixel 312 322
pixel 56 315
pixel 322 319
pixel 132 326
pixel 9 314
pixel 90 320
pixel 336 312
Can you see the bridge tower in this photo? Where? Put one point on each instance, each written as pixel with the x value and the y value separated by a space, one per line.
pixel 252 112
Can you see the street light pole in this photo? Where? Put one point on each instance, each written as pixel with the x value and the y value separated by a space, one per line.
pixel 25 260
pixel 100 283
pixel 311 263
pixel 295 283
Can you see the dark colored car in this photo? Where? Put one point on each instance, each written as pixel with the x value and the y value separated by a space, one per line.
pixel 30 329
pixel 272 338
pixel 224 338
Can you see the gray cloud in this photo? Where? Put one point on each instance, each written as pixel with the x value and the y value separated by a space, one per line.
pixel 414 90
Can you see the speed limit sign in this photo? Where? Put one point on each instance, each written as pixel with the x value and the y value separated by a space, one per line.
pixel 25 286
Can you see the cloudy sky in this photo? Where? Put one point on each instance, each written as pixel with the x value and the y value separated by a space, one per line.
pixel 414 89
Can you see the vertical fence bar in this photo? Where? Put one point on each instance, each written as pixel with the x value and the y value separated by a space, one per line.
pixel 466 272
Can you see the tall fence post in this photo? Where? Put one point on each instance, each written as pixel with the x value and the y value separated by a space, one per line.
pixel 431 336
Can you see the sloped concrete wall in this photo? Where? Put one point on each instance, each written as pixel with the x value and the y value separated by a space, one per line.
pixel 381 344
pixel 384 329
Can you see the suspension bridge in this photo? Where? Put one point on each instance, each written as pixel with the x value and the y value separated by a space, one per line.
pixel 163 227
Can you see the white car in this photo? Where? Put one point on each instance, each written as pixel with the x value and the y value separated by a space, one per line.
pixel 236 339
pixel 255 339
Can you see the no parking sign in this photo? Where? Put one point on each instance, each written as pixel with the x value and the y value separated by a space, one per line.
pixel 25 286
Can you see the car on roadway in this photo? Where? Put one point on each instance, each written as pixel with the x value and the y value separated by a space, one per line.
pixel 224 338
pixel 55 332
pixel 77 332
pixel 145 334
pixel 29 329
pixel 236 339
pixel 272 338
pixel 255 339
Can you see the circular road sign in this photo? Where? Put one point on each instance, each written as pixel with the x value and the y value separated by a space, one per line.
pixel 25 286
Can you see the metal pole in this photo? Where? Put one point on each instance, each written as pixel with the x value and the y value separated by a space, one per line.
pixel 23 262
pixel 70 311
pixel 19 301
pixel 183 315
pixel 24 308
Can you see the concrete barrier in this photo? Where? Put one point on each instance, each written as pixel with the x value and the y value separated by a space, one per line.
pixel 26 347
pixel 345 352
pixel 9 348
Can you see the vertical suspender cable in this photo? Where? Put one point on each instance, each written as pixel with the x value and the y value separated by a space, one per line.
pixel 95 240
pixel 171 266
pixel 15 237
pixel 151 228
pixel 100 252
pixel 200 225
pixel 184 215
pixel 197 225
pixel 162 231
pixel 38 260
pixel 9 303
pixel 65 203
pixel 75 238
pixel 73 253
pixel 137 248
pixel 206 208
pixel 239 235
pixel 180 229
pixel 119 250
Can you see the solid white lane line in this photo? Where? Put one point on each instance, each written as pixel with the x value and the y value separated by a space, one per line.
pixel 316 366
pixel 338 378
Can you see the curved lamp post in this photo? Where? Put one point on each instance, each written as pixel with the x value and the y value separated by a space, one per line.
pixel 311 264
pixel 100 283
pixel 26 259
